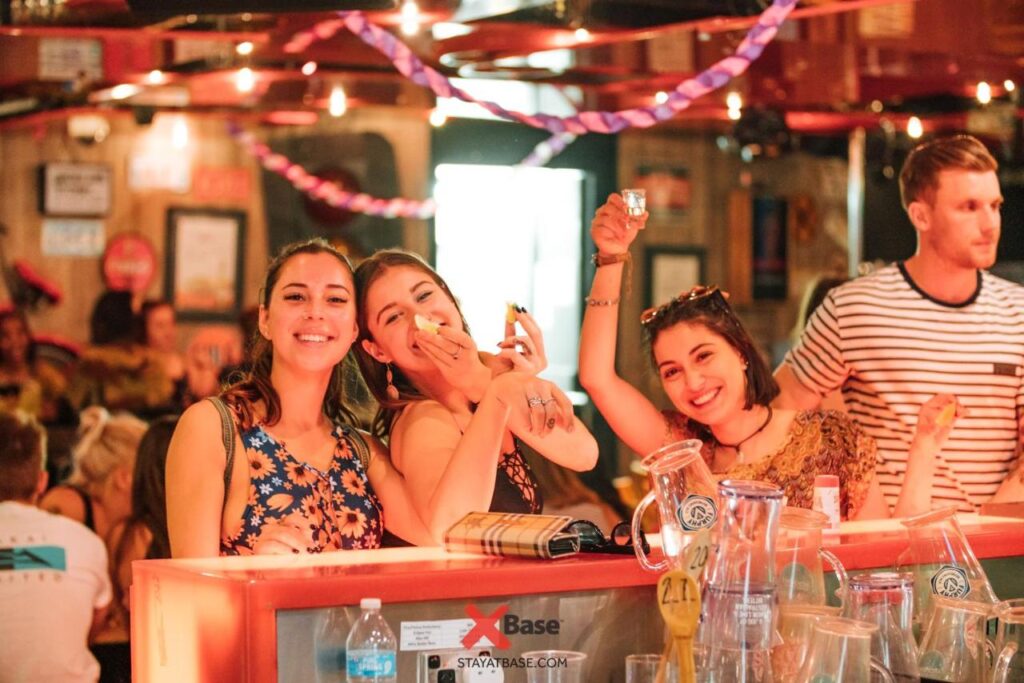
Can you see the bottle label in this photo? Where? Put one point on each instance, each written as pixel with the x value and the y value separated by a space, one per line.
pixel 950 582
pixel 371 663
pixel 697 512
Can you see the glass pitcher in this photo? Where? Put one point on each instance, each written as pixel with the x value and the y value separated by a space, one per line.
pixel 798 568
pixel 840 652
pixel 685 492
pixel 886 599
pixel 944 563
pixel 739 600
pixel 954 647
pixel 795 628
pixel 1009 666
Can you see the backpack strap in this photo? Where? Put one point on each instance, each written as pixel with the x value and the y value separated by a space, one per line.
pixel 360 446
pixel 227 435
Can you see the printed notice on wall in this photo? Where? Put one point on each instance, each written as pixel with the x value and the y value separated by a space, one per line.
pixel 68 59
pixel 443 634
pixel 72 237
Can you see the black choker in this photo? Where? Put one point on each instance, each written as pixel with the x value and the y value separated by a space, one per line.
pixel 757 431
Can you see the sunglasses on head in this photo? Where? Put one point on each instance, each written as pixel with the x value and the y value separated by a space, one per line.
pixel 711 296
pixel 593 540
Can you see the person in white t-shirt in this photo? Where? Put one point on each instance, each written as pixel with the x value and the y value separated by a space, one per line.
pixel 935 325
pixel 54 585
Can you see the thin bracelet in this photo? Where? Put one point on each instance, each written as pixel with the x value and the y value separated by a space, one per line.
pixel 590 301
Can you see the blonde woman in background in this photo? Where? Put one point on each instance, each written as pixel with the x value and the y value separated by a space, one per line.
pixel 99 495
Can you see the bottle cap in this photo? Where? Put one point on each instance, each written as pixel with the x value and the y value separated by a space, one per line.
pixel 829 480
pixel 369 603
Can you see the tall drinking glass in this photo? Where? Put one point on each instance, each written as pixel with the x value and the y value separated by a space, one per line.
pixel 685 493
pixel 739 600
pixel 841 653
pixel 886 599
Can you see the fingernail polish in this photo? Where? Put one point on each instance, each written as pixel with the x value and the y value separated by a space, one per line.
pixel 295 550
pixel 520 309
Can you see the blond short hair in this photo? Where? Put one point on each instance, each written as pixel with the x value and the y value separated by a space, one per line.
pixel 105 442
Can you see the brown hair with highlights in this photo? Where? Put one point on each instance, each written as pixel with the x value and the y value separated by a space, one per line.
pixel 919 177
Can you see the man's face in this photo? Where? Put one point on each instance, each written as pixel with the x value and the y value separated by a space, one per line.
pixel 961 224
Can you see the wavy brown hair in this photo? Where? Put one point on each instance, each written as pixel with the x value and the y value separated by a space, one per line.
pixel 256 387
pixel 375 373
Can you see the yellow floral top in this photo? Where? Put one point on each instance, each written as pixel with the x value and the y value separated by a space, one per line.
pixel 819 442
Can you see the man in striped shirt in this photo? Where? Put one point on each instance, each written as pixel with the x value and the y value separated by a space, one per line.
pixel 937 323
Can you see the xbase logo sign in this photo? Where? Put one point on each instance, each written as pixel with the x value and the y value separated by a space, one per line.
pixel 497 626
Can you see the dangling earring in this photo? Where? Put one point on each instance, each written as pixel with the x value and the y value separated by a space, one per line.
pixel 392 390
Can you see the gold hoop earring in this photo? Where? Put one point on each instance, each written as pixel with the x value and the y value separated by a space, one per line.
pixel 391 390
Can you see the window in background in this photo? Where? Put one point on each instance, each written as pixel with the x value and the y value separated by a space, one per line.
pixel 514 234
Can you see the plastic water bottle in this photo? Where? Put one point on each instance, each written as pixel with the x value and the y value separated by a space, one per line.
pixel 371 649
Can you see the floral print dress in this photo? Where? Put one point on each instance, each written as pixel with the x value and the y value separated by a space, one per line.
pixel 338 507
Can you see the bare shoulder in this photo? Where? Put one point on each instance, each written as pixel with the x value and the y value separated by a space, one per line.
pixel 64 501
pixel 198 431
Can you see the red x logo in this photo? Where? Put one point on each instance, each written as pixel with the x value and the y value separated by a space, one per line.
pixel 486 626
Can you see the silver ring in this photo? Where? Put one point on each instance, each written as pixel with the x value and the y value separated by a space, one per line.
pixel 534 401
pixel 547 401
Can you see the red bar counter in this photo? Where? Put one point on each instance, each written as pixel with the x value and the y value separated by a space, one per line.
pixel 260 618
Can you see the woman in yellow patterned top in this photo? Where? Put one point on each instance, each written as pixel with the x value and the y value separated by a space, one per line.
pixel 721 390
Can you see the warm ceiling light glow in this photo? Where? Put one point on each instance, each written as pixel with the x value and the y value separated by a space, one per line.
pixel 337 104
pixel 179 133
pixel 661 97
pixel 735 114
pixel 734 100
pixel 1009 85
pixel 245 80
pixel 244 48
pixel 984 92
pixel 309 68
pixel 582 34
pixel 156 77
pixel 437 118
pixel 877 106
pixel 914 127
pixel 124 91
pixel 410 14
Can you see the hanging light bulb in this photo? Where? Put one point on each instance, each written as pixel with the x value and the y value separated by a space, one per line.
pixel 984 92
pixel 156 77
pixel 337 104
pixel 582 35
pixel 1009 85
pixel 245 80
pixel 734 102
pixel 179 133
pixel 244 48
pixel 410 14
pixel 309 68
pixel 661 97
pixel 915 128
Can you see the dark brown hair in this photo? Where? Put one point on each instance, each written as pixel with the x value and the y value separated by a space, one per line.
pixel 17 314
pixel 374 372
pixel 256 387
pixel 142 319
pixel 919 177
pixel 21 456
pixel 713 312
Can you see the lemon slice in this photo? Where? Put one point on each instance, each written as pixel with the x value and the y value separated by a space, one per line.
pixel 946 415
pixel 510 312
pixel 426 324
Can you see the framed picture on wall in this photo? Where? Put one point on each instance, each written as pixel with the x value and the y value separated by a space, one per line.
pixel 205 262
pixel 672 270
